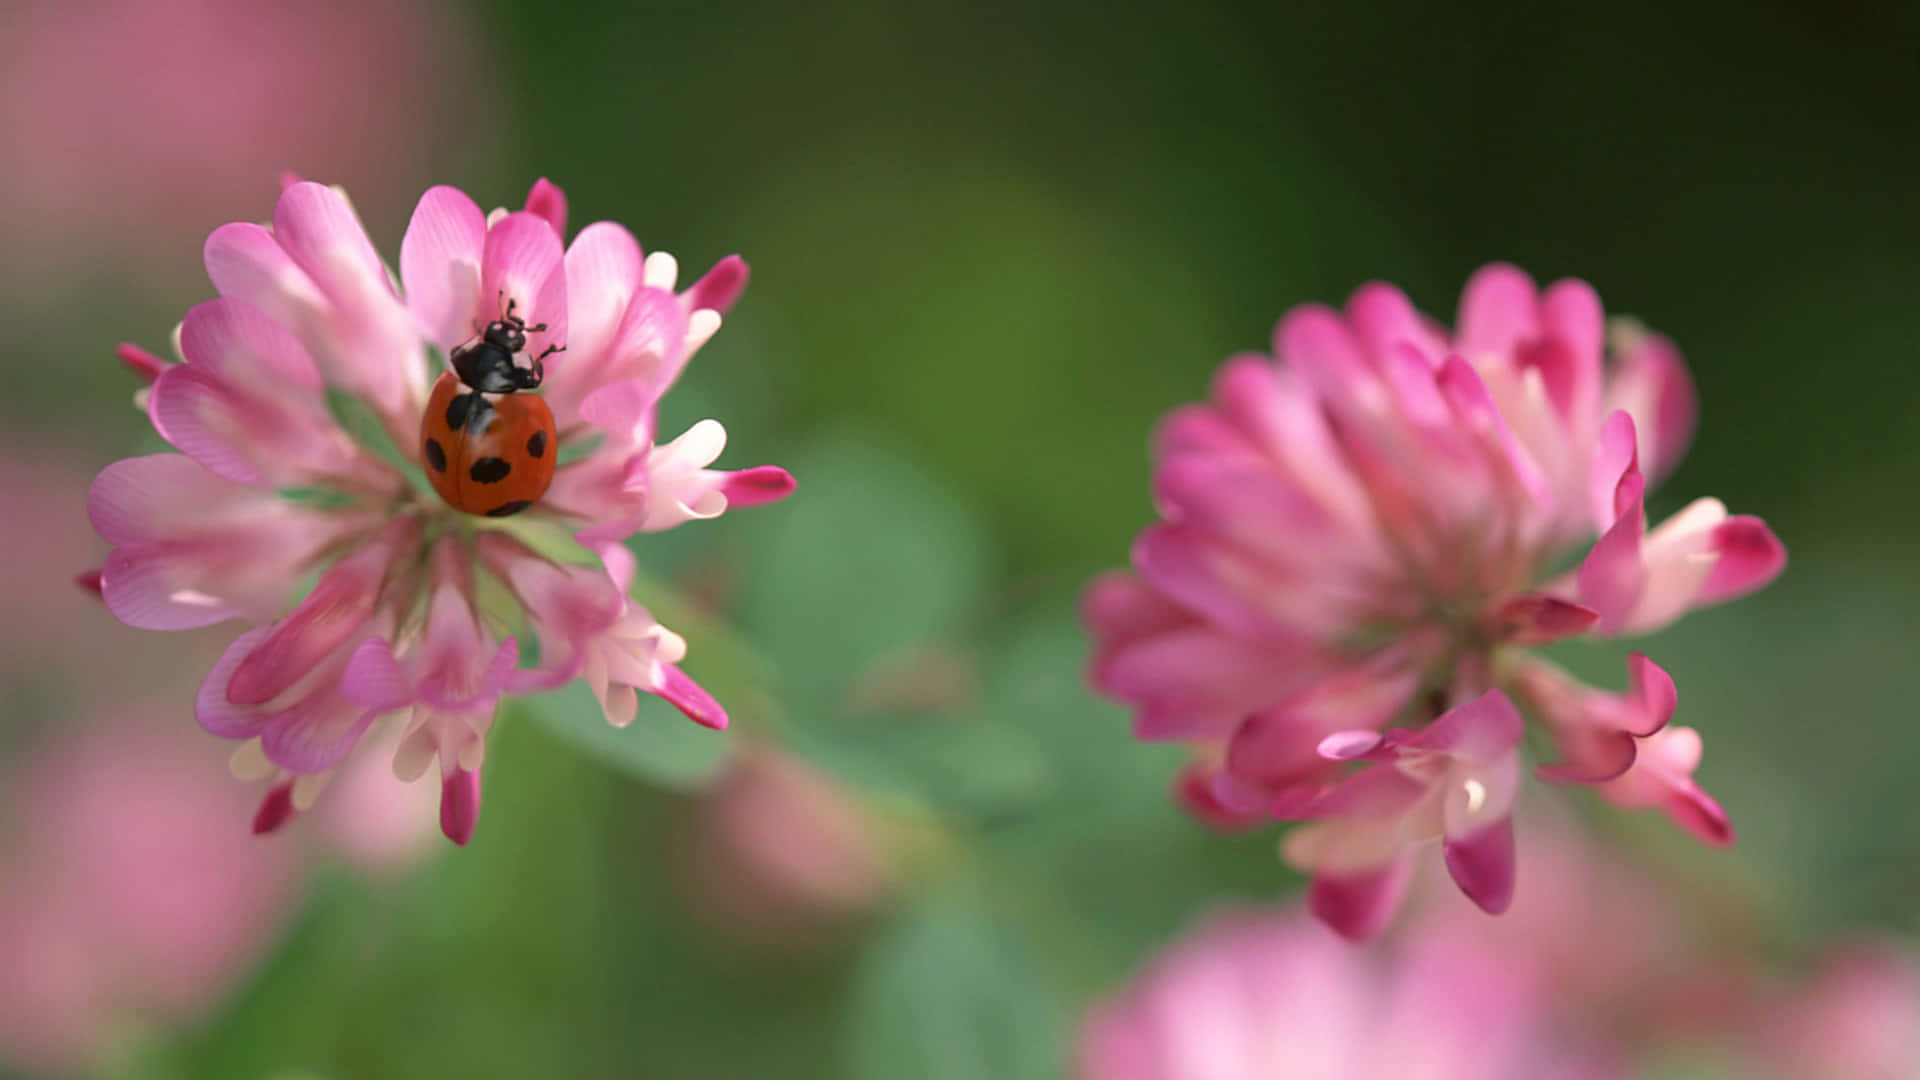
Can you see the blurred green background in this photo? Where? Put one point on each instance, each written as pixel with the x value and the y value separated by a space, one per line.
pixel 990 248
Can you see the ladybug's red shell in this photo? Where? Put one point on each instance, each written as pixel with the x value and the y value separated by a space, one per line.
pixel 487 454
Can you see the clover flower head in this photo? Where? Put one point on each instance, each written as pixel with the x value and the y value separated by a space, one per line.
pixel 296 406
pixel 1358 531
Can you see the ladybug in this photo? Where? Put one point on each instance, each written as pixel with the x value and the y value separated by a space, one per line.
pixel 489 448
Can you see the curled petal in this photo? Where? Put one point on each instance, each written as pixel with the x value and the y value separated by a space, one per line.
pixel 1481 863
pixel 1662 777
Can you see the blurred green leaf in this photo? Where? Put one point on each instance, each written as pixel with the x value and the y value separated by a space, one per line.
pixel 659 747
pixel 947 993
pixel 871 557
pixel 959 764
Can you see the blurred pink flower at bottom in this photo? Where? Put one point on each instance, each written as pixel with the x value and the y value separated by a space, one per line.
pixel 127 892
pixel 1858 1020
pixel 1275 996
pixel 777 854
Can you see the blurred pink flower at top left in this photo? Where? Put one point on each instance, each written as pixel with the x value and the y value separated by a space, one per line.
pixel 297 408
pixel 150 120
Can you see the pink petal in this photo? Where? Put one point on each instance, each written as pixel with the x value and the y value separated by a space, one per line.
pixel 373 679
pixel 1193 790
pixel 1248 503
pixel 757 486
pixel 193 549
pixel 212 709
pixel 1651 383
pixel 316 733
pixel 1478 413
pixel 1375 793
pixel 1480 730
pixel 651 341
pixel 1652 693
pixel 1200 429
pixel 1700 814
pixel 1568 357
pixel 1481 863
pixel 1592 756
pixel 1197 570
pixel 275 810
pixel 1749 557
pixel 460 805
pixel 1351 745
pixel 1281 744
pixel 522 261
pixel 332 614
pixel 688 696
pixel 241 345
pixel 1614 462
pixel 546 201
pixel 317 228
pixel 440 259
pixel 1539 619
pixel 1194 682
pixel 244 261
pixel 1117 608
pixel 1315 342
pixel 1613 577
pixel 603 266
pixel 720 287
pixel 1498 310
pixel 624 409
pixel 1358 906
pixel 1384 319
pixel 161 496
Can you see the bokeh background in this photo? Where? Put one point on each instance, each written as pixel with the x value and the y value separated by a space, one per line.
pixel 990 247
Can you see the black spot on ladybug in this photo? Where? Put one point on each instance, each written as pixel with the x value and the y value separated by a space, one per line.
pixel 436 457
pixel 458 408
pixel 510 509
pixel 490 470
pixel 537 444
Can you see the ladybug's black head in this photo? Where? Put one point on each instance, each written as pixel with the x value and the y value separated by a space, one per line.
pixel 509 333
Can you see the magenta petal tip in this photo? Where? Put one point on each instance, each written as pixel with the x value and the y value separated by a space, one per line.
pixel 1482 864
pixel 460 805
pixel 142 363
pixel 1358 906
pixel 275 810
pixel 547 201
pixel 758 486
